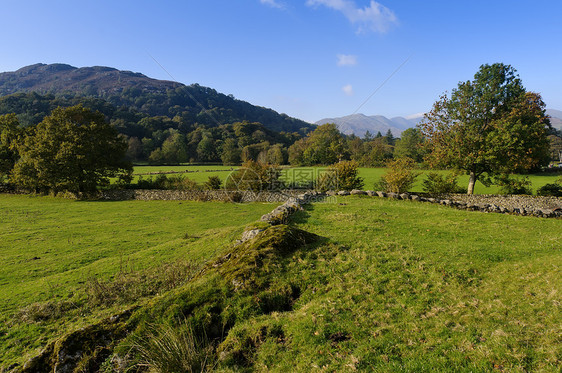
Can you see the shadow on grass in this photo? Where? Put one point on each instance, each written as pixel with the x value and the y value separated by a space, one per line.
pixel 301 216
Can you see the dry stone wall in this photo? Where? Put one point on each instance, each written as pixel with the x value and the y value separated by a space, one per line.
pixel 544 207
pixel 197 195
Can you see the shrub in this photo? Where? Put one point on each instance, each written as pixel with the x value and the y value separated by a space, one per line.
pixel 554 190
pixel 174 182
pixel 399 177
pixel 513 185
pixel 124 179
pixel 342 175
pixel 254 176
pixel 213 183
pixel 179 182
pixel 437 183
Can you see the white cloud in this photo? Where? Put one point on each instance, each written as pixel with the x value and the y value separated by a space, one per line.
pixel 348 90
pixel 415 116
pixel 375 17
pixel 347 60
pixel 273 4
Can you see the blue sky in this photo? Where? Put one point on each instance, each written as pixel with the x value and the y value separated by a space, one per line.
pixel 310 59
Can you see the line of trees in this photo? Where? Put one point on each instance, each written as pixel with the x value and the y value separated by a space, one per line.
pixel 488 127
pixel 326 145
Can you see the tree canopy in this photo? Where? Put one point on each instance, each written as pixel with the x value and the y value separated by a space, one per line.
pixel 73 149
pixel 9 134
pixel 488 126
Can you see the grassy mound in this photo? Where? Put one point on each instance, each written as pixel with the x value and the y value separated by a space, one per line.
pixel 69 264
pixel 234 287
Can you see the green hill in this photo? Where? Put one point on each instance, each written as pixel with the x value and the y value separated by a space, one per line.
pixel 198 104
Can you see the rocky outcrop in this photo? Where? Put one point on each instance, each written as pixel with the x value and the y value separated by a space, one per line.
pixel 86 348
pixel 281 213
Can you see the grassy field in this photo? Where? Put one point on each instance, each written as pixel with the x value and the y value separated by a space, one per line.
pixel 372 175
pixel 389 285
pixel 200 174
pixel 402 286
pixel 54 251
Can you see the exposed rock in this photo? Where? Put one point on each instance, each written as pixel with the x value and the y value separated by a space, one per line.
pixel 249 234
pixel 358 192
pixel 87 347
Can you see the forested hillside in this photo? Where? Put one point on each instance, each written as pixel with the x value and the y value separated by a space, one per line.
pixel 163 121
pixel 154 97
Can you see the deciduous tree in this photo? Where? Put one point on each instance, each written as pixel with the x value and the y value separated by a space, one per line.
pixel 73 149
pixel 487 126
pixel 409 145
pixel 10 135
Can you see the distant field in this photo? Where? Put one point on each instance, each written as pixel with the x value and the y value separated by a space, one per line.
pixel 51 247
pixel 372 175
pixel 200 174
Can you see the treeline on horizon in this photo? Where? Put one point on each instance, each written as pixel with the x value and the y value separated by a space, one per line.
pixel 187 137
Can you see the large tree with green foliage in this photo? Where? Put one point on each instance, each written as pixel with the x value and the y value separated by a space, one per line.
pixel 9 137
pixel 325 145
pixel 487 126
pixel 73 149
pixel 410 145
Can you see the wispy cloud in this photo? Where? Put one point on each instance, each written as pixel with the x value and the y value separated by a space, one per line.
pixel 273 3
pixel 348 89
pixel 415 116
pixel 375 17
pixel 346 60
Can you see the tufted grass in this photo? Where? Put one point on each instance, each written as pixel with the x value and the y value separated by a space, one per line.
pixel 67 263
pixel 402 286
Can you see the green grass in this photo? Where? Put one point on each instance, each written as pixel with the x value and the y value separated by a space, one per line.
pixel 390 286
pixel 373 175
pixel 199 174
pixel 407 286
pixel 51 248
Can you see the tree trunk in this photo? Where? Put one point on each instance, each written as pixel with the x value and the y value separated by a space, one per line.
pixel 471 182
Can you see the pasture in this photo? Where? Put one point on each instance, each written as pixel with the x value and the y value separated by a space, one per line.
pixel 54 251
pixel 200 174
pixel 408 286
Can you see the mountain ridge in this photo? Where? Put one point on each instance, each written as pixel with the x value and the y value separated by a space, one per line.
pixel 122 88
pixel 555 118
pixel 359 124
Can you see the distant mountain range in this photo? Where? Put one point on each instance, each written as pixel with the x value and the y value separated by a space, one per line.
pixel 201 105
pixel 555 118
pixel 359 124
